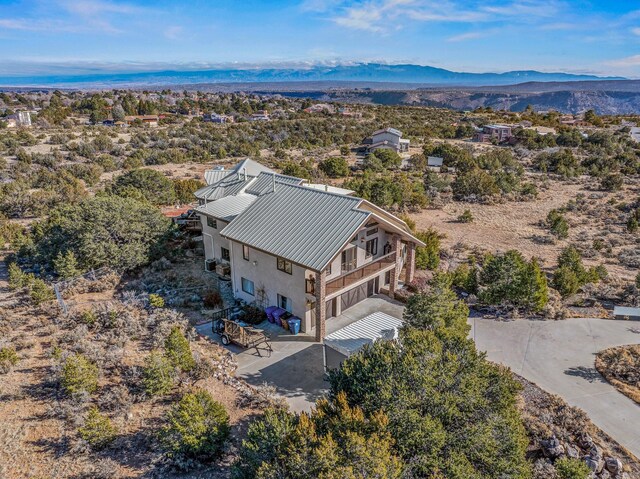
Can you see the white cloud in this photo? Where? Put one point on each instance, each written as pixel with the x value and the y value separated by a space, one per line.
pixel 627 62
pixel 466 36
pixel 384 15
pixel 636 31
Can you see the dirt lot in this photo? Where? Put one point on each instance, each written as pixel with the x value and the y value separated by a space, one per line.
pixel 512 224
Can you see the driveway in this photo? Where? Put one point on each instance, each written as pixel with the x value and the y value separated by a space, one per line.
pixel 296 365
pixel 559 357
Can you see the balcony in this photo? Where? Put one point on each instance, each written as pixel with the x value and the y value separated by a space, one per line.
pixel 369 269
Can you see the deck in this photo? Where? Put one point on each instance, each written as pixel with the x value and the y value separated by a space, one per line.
pixel 354 276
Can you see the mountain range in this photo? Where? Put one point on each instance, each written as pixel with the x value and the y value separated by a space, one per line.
pixel 417 75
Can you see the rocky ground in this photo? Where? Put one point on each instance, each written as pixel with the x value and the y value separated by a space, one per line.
pixel 621 367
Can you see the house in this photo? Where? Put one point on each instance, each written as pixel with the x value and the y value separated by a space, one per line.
pixel 388 138
pixel 623 312
pixel 312 252
pixel 493 133
pixel 260 115
pixel 151 120
pixel 216 118
pixel 346 112
pixel 434 162
pixel 19 118
pixel 635 133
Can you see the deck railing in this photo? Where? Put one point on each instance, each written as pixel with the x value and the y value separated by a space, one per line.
pixel 357 274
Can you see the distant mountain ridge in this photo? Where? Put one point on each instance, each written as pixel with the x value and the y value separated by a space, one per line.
pixel 364 72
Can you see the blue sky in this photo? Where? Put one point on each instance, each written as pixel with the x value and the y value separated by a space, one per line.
pixel 54 36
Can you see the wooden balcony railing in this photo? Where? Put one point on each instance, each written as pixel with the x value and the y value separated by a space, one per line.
pixel 357 274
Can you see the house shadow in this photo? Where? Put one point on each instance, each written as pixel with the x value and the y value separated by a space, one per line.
pixel 590 374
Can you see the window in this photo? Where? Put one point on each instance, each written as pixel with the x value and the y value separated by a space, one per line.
pixel 245 252
pixel 212 223
pixel 328 270
pixel 284 302
pixel 247 286
pixel 387 277
pixel 372 232
pixel 224 254
pixel 284 265
pixel 372 247
pixel 310 286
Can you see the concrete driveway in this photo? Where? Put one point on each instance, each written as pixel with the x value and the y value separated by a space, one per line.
pixel 559 357
pixel 296 365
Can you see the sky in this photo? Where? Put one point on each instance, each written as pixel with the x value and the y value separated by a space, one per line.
pixel 90 36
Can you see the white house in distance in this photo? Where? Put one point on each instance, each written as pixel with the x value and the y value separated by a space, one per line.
pixel 312 252
pixel 388 138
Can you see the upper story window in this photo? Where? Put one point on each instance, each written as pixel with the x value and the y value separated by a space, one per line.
pixel 284 265
pixel 372 247
pixel 327 270
pixel 372 231
pixel 212 223
pixel 224 254
pixel 245 252
pixel 310 286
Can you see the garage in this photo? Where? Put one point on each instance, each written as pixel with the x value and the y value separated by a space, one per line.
pixel 351 297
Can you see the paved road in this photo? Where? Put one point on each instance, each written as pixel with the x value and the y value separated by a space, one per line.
pixel 559 357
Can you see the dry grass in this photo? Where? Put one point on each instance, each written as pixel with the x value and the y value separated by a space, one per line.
pixel 621 367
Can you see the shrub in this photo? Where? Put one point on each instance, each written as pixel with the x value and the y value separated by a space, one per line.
pixel 66 265
pixel 557 224
pixel 509 279
pixel 428 256
pixel 8 359
pixel 569 468
pixel 437 309
pixel 388 158
pixel 442 399
pixel 466 217
pixel 156 301
pixel 638 280
pixel 333 441
pixel 103 231
pixel 253 314
pixel 184 189
pixel 196 428
pixel 40 292
pixel 178 350
pixel 611 182
pixel 158 374
pixel 213 299
pixel 571 274
pixel 79 375
pixel 18 278
pixel 474 182
pixel 97 430
pixel 153 185
pixel 334 167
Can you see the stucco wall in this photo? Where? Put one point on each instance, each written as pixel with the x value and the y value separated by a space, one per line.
pixel 262 270
pixel 212 240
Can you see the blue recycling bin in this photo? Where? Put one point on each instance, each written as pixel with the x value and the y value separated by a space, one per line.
pixel 294 325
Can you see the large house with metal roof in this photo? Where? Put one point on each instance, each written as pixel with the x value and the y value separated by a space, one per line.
pixel 312 251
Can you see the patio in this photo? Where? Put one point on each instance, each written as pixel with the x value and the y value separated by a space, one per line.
pixel 295 368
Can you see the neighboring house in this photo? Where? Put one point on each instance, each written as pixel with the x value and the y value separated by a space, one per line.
pixel 434 161
pixel 493 133
pixel 260 115
pixel 151 120
pixel 314 253
pixel 635 133
pixel 19 118
pixel 216 118
pixel 388 138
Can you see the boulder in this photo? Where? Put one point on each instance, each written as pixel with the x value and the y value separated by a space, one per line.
pixel 572 451
pixel 552 447
pixel 585 441
pixel 613 465
pixel 595 464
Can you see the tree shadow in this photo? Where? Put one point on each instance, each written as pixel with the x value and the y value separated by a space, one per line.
pixel 590 374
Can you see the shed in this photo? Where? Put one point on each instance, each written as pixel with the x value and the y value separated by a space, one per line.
pixel 344 342
pixel 625 312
